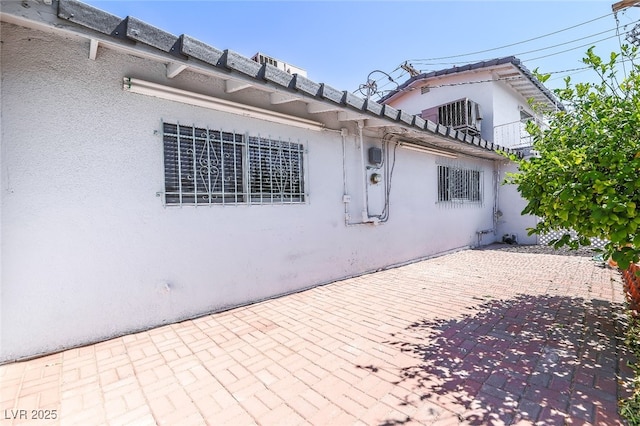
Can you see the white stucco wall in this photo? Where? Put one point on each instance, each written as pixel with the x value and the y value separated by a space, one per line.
pixel 449 88
pixel 507 105
pixel 89 252
pixel 511 204
pixel 500 106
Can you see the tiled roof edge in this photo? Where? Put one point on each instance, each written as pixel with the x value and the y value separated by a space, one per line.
pixel 132 30
pixel 478 65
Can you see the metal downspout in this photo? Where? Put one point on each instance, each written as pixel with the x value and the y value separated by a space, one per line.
pixel 366 218
pixel 346 199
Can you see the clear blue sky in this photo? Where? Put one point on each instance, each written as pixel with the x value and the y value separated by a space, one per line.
pixel 341 42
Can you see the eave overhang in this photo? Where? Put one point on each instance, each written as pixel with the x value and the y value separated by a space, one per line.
pixel 508 70
pixel 179 53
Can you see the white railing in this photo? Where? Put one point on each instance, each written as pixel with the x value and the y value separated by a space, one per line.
pixel 512 135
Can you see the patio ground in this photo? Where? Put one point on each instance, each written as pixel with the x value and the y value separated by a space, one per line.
pixel 493 336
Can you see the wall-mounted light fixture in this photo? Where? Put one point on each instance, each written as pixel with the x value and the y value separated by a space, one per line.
pixel 148 88
pixel 428 150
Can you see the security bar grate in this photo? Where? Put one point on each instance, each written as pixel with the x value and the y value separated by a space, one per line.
pixel 457 184
pixel 204 167
pixel 276 173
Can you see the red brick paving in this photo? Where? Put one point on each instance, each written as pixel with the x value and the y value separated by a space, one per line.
pixel 474 337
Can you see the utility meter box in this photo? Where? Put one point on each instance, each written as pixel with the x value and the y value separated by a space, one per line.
pixel 375 156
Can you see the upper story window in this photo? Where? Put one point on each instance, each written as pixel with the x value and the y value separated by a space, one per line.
pixel 457 184
pixel 204 166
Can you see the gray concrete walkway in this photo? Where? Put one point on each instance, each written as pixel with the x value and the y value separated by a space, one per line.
pixel 475 337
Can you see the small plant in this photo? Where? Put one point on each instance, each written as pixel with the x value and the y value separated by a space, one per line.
pixel 630 408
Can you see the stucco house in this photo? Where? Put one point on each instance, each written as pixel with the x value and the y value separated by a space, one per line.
pixel 148 178
pixel 493 99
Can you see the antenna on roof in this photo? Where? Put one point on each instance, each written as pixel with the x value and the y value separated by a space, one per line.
pixel 410 69
pixel 633 36
pixel 624 4
pixel 370 88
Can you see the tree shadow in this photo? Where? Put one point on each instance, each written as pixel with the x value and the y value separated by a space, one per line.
pixel 542 359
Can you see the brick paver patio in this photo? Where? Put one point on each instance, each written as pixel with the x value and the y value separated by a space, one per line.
pixel 474 337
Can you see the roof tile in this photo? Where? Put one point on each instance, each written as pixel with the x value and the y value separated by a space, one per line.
pixel 148 34
pixel 91 17
pixel 545 92
pixel 390 112
pixel 328 92
pixel 201 51
pixel 305 85
pixel 406 118
pixel 431 126
pixel 132 30
pixel 373 107
pixel 240 63
pixel 354 101
pixel 278 76
pixel 419 122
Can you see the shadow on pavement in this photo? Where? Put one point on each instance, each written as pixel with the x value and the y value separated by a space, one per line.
pixel 532 358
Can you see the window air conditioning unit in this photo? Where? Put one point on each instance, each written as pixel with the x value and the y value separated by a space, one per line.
pixel 264 59
pixel 463 115
pixel 261 58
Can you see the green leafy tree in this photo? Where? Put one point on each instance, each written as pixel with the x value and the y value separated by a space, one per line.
pixel 586 176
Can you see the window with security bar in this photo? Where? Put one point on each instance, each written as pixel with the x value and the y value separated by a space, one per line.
pixel 457 184
pixel 204 166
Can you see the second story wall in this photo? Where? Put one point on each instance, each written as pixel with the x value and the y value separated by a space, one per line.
pixel 502 109
pixel 510 111
pixel 474 86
